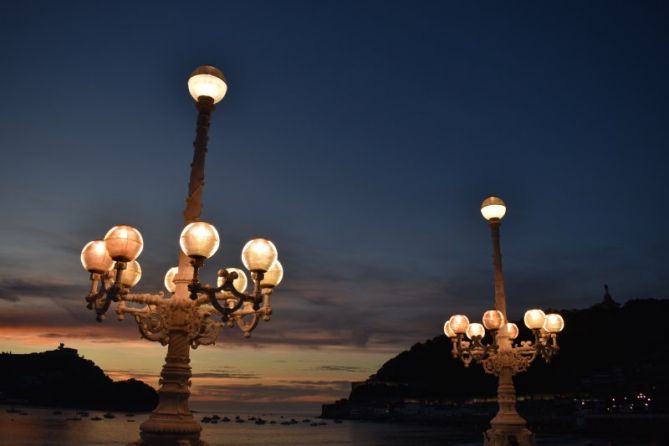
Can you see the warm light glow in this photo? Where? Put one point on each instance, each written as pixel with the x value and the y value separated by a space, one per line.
pixel 169 279
pixel 273 276
pixel 207 81
pixel 448 331
pixel 199 239
pixel 493 208
pixel 240 283
pixel 124 243
pixel 554 323
pixel 475 330
pixel 131 275
pixel 95 258
pixel 493 319
pixel 512 330
pixel 534 319
pixel 259 254
pixel 459 323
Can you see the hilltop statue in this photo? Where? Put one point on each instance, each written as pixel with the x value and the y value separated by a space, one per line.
pixel 608 302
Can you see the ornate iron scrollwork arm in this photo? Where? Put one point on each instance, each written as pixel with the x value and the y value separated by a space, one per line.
pixel 472 350
pixel 104 291
pixel 227 286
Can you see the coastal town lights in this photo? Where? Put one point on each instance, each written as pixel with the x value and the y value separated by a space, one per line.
pixel 187 316
pixel 500 356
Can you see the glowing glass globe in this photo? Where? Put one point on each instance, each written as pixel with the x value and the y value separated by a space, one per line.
pixel 124 243
pixel 95 258
pixel 207 81
pixel 493 208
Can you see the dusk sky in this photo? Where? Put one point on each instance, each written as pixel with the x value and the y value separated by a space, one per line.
pixel 361 137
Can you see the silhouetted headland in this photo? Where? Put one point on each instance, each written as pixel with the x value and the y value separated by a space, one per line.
pixel 612 363
pixel 62 378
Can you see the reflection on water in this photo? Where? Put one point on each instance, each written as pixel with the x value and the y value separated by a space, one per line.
pixel 41 427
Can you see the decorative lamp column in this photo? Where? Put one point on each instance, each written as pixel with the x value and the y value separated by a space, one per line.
pixel 192 314
pixel 501 356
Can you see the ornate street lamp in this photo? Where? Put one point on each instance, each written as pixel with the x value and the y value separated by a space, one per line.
pixel 501 357
pixel 185 318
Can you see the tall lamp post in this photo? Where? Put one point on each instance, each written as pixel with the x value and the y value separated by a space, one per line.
pixel 187 316
pixel 499 355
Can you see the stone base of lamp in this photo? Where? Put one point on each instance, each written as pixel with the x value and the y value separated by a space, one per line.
pixel 169 440
pixel 170 430
pixel 172 423
pixel 507 428
pixel 508 435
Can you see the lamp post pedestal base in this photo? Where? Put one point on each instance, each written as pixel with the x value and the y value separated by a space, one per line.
pixel 508 435
pixel 172 423
pixel 169 440
pixel 508 428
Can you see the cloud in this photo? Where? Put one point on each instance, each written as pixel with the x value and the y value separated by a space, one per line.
pixel 358 306
pixel 341 368
pixel 14 289
pixel 285 391
pixel 225 375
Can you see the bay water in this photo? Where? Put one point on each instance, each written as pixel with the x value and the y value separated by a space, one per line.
pixel 42 427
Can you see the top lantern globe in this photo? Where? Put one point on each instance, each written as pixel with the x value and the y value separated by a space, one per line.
pixel 493 208
pixel 207 81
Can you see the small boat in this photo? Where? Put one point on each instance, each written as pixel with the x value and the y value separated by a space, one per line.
pixel 215 417
pixel 226 419
pixel 130 415
pixel 73 419
pixel 96 419
pixel 206 419
pixel 109 415
pixel 260 421
pixel 272 422
pixel 306 420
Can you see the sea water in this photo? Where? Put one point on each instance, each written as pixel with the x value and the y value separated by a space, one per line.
pixel 43 427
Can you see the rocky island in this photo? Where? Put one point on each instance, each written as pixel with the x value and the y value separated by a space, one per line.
pixel 61 378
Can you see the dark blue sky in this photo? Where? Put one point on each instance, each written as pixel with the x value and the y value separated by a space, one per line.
pixel 360 136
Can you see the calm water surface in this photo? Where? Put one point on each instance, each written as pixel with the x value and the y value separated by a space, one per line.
pixel 40 427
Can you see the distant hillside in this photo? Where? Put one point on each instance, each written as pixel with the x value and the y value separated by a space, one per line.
pixel 62 378
pixel 605 350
